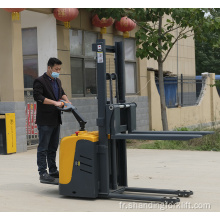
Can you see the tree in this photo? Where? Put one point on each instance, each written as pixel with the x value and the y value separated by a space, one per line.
pixel 156 37
pixel 207 53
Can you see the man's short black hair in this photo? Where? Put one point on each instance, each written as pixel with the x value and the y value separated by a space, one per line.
pixel 52 61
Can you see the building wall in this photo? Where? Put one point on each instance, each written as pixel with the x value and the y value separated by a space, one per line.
pixel 11 83
pixel 11 76
pixel 206 113
pixel 70 125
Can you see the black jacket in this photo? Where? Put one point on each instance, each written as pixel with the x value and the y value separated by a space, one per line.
pixel 46 114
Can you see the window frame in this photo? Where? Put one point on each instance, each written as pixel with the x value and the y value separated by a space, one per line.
pixel 127 61
pixel 84 58
pixel 31 56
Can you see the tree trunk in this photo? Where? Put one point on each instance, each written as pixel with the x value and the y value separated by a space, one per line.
pixel 161 83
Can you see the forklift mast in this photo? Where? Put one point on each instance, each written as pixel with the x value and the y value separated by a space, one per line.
pixel 105 118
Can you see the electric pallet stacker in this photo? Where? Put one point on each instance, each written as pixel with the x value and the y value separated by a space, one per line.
pixel 94 164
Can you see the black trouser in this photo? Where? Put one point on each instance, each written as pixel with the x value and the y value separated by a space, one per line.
pixel 48 144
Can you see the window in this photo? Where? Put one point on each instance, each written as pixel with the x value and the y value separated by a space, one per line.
pixel 83 63
pixel 30 56
pixel 130 64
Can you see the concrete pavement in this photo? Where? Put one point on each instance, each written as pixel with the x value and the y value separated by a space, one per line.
pixel 21 191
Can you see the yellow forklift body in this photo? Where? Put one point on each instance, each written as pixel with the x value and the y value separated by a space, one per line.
pixel 67 153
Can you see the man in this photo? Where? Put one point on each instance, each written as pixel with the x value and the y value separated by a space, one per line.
pixel 47 92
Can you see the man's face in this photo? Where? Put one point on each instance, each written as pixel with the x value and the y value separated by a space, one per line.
pixel 55 68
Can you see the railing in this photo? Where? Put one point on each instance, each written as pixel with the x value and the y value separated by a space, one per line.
pixel 31 127
pixel 181 91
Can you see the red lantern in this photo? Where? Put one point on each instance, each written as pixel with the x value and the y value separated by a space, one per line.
pixel 14 12
pixel 125 25
pixel 103 23
pixel 65 15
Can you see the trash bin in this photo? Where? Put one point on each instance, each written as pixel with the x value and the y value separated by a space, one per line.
pixel 7 133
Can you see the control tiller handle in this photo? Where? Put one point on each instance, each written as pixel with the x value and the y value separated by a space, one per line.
pixel 67 107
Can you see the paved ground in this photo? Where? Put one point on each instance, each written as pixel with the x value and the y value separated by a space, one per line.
pixel 20 189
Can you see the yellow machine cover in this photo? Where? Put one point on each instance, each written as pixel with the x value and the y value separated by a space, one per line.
pixel 67 153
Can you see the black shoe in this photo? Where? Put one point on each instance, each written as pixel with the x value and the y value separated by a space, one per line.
pixel 55 174
pixel 46 178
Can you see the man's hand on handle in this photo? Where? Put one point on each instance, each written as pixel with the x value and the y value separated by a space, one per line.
pixel 58 104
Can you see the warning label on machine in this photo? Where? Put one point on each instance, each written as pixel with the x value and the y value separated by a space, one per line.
pixel 99 57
